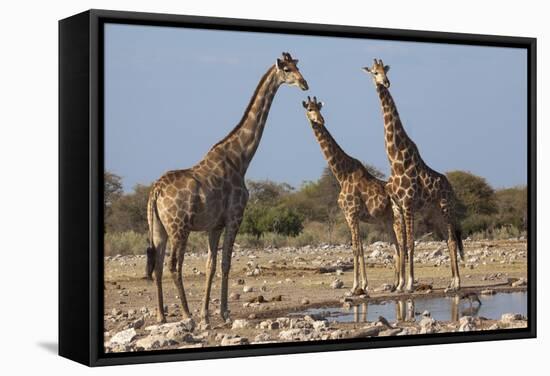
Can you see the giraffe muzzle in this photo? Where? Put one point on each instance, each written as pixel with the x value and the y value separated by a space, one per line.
pixel 303 85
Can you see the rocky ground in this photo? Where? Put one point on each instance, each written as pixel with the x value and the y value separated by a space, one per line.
pixel 269 286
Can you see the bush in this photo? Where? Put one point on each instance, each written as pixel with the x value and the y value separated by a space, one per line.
pixel 283 221
pixel 475 195
pixel 125 243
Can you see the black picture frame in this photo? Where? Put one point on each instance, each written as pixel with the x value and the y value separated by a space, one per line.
pixel 81 185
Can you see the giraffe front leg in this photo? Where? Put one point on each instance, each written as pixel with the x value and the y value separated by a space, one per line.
pixel 364 279
pixel 213 241
pixel 409 232
pixel 355 285
pixel 400 245
pixel 397 257
pixel 358 264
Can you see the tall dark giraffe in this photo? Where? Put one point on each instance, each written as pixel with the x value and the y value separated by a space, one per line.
pixel 413 186
pixel 362 196
pixel 211 196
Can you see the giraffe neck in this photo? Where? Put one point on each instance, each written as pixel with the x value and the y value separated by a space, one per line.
pixel 335 156
pixel 395 138
pixel 240 145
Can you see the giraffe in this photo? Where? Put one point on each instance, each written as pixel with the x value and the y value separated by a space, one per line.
pixel 414 187
pixel 211 196
pixel 362 196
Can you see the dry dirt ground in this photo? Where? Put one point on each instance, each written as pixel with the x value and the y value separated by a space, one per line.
pixel 268 285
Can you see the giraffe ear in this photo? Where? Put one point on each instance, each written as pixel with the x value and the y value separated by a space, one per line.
pixel 366 69
pixel 386 68
pixel 304 104
pixel 278 64
pixel 320 105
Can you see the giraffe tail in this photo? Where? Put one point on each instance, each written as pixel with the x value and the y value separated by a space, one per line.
pixel 458 235
pixel 151 251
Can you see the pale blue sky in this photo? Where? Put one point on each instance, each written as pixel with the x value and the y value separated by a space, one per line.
pixel 171 93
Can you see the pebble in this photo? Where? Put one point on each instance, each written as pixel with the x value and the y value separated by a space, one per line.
pixel 235 296
pixel 248 289
pixel 337 284
pixel 520 283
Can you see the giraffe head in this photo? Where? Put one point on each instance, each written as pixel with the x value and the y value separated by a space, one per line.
pixel 288 73
pixel 379 72
pixel 313 111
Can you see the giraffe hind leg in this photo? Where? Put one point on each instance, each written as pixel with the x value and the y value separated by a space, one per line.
pixel 213 241
pixel 155 263
pixel 179 243
pixel 160 249
pixel 454 243
pixel 231 230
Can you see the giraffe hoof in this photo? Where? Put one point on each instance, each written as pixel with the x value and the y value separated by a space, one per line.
pixel 225 317
pixel 358 291
pixel 161 319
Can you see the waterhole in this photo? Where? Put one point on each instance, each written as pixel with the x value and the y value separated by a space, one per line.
pixel 441 308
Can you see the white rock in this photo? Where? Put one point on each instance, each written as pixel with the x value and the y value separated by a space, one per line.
pixel 233 341
pixel 376 253
pixel 337 284
pixel 123 338
pixel 240 324
pixel 511 317
pixel 154 342
pixel 520 283
pixel 466 324
pixel 428 325
pixel 320 324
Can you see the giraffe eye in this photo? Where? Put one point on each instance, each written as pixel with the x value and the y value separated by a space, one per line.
pixel 286 69
pixel 376 73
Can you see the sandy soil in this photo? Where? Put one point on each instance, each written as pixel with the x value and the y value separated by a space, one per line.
pixel 298 278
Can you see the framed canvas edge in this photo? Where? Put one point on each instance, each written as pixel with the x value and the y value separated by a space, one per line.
pixel 95 163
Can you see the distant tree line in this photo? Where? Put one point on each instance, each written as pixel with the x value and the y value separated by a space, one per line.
pixel 281 211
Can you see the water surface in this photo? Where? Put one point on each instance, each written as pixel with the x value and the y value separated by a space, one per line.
pixel 441 308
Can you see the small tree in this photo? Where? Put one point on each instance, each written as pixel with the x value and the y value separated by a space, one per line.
pixel 112 191
pixel 512 207
pixel 283 221
pixel 129 212
pixel 476 200
pixel 252 222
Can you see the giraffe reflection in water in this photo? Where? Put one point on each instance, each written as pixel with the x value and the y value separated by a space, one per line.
pixel 405 309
